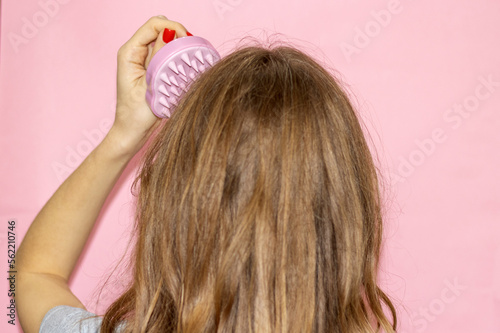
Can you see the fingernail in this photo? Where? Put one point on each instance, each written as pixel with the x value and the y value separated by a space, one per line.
pixel 188 33
pixel 168 35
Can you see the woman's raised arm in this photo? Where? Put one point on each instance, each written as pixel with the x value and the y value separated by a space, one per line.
pixel 57 236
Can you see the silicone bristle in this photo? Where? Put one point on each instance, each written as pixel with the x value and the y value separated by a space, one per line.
pixel 165 79
pixel 163 101
pixel 173 67
pixel 163 90
pixel 181 69
pixel 199 56
pixel 210 59
pixel 185 58
pixel 175 91
pixel 194 64
pixel 174 81
pixel 166 112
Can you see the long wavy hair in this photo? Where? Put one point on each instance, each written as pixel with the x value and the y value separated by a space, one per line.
pixel 258 208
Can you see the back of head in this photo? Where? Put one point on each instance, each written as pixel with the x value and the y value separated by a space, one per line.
pixel 258 207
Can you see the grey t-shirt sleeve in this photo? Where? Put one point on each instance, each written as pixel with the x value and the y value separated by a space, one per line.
pixel 66 319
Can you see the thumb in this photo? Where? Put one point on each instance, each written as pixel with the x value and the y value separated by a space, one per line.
pixel 155 46
pixel 164 37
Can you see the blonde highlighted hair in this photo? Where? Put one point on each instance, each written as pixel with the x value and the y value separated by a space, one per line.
pixel 258 208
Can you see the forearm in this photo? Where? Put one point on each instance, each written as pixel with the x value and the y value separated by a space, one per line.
pixel 58 234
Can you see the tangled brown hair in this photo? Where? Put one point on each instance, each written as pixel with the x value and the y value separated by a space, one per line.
pixel 258 209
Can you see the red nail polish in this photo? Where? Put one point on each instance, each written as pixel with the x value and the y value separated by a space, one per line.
pixel 188 33
pixel 168 35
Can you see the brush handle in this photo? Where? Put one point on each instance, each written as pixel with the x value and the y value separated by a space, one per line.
pixel 173 68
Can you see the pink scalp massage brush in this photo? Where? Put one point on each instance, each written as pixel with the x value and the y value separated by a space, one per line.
pixel 173 68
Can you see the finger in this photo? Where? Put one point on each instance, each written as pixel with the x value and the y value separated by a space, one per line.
pixel 155 47
pixel 150 55
pixel 152 28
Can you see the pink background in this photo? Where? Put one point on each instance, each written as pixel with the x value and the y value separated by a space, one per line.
pixel 419 71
